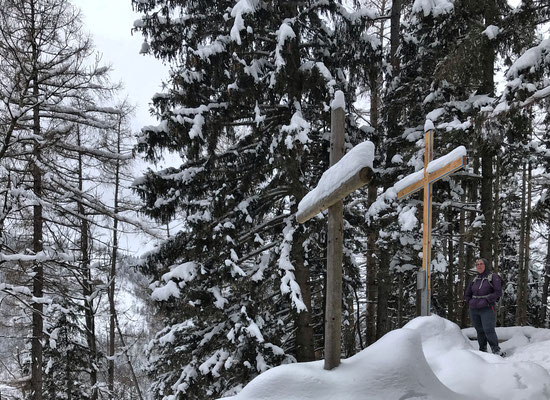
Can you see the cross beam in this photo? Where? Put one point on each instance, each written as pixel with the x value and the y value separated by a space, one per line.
pixel 433 171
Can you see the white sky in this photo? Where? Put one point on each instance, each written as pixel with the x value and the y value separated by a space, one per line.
pixel 110 23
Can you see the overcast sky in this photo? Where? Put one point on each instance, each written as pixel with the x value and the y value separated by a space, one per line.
pixel 110 23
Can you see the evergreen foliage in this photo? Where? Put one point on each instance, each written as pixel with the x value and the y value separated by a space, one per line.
pixel 247 109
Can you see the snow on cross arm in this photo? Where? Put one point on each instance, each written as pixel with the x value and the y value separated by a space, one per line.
pixel 359 157
pixel 446 159
pixel 432 167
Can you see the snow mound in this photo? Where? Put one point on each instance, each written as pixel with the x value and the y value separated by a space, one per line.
pixel 430 359
pixel 392 368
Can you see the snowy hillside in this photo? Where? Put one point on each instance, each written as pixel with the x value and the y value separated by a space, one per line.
pixel 430 358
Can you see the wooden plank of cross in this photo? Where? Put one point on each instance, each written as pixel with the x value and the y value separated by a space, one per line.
pixel 433 171
pixel 346 174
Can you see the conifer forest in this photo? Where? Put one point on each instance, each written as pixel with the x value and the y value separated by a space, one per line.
pixel 234 285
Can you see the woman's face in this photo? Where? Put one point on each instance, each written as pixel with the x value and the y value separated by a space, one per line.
pixel 480 266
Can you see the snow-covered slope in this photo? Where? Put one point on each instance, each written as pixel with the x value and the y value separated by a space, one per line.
pixel 430 358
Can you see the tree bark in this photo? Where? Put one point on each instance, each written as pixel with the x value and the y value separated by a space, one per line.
pixel 305 348
pixel 112 274
pixel 521 301
pixel 451 269
pixel 486 242
pixel 488 87
pixel 461 284
pixel 372 193
pixel 383 295
pixel 38 221
pixel 546 283
pixel 497 217
pixel 372 289
pixel 349 328
pixel 87 289
pixel 394 130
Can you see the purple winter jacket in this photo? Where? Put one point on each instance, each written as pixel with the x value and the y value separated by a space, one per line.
pixel 479 292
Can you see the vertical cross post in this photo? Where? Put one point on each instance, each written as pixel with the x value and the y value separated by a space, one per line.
pixel 427 226
pixel 335 240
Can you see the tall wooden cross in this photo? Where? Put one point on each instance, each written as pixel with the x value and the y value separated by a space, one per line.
pixel 346 174
pixel 433 171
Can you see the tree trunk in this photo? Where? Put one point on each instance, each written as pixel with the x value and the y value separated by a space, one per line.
pixel 87 289
pixel 462 278
pixel 546 283
pixel 372 289
pixel 400 299
pixel 487 87
pixel 486 241
pixel 349 328
pixel 38 244
pixel 527 259
pixel 305 348
pixel 497 214
pixel 451 269
pixel 112 274
pixel 469 237
pixel 384 282
pixel 521 305
pixel 128 360
pixel 38 278
pixel 372 193
pixel 394 131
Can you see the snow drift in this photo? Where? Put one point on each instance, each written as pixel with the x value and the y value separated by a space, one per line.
pixel 429 358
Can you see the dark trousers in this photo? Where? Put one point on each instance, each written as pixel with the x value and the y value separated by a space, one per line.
pixel 483 320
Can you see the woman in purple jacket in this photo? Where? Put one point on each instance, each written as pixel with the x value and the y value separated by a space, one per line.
pixel 481 295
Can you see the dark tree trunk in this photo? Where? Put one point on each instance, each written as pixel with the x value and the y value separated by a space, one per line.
pixel 546 283
pixel 394 129
pixel 38 244
pixel 87 289
pixel 112 274
pixel 488 87
pixel 521 305
pixel 349 328
pixel 461 284
pixel 305 348
pixel 497 221
pixel 451 269
pixel 400 300
pixel 372 193
pixel 486 242
pixel 372 289
pixel 37 281
pixel 384 282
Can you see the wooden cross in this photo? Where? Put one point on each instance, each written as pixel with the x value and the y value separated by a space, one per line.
pixel 423 179
pixel 346 174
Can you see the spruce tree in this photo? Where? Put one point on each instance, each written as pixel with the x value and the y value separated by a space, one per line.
pixel 246 108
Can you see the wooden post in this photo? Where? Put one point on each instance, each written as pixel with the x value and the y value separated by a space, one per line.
pixel 346 173
pixel 425 303
pixel 335 239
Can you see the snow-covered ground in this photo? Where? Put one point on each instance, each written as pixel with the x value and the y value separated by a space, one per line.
pixel 429 358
